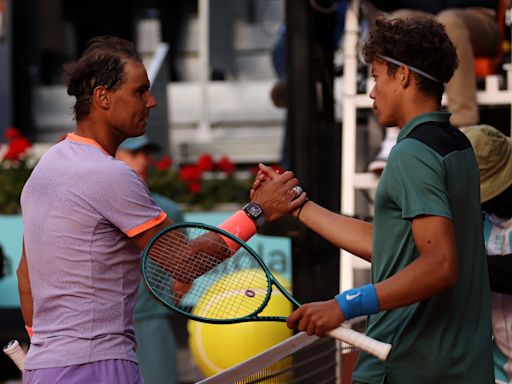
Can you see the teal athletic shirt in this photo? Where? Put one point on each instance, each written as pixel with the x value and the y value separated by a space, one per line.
pixel 445 339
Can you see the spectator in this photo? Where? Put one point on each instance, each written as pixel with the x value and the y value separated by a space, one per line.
pixel 279 91
pixel 494 155
pixel 156 344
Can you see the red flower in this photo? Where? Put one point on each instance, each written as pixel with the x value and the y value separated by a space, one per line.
pixel 12 133
pixel 190 173
pixel 205 163
pixel 164 163
pixel 194 187
pixel 17 147
pixel 225 164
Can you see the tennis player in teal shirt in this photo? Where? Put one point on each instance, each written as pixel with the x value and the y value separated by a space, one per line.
pixel 429 294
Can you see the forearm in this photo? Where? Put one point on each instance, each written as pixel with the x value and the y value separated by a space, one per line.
pixel 25 291
pixel 352 235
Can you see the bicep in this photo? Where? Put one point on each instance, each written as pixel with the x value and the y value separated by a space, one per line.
pixel 434 237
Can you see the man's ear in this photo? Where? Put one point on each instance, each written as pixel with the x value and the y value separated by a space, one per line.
pixel 404 75
pixel 101 97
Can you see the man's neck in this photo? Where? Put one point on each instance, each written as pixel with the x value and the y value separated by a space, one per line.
pixel 102 135
pixel 416 107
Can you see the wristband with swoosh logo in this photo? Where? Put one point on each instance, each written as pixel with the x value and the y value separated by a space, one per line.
pixel 358 301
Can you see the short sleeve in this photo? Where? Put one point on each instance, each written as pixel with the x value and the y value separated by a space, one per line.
pixel 418 180
pixel 123 198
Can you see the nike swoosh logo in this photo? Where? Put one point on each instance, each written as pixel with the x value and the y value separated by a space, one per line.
pixel 350 297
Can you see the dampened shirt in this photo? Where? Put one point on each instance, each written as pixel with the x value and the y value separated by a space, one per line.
pixel 80 207
pixel 446 338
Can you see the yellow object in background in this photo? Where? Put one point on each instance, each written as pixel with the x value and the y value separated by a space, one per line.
pixel 216 347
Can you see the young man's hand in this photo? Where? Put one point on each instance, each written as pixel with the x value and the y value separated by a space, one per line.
pixel 316 318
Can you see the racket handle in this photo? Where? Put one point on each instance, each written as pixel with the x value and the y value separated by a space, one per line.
pixel 14 351
pixel 360 340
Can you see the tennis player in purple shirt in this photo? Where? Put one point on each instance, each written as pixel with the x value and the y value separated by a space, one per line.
pixel 87 216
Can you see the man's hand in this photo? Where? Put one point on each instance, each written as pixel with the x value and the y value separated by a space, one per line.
pixel 180 289
pixel 275 193
pixel 316 318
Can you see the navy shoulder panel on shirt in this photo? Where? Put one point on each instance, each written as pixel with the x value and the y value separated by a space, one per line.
pixel 441 137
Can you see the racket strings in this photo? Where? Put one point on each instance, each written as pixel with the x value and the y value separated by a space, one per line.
pixel 225 286
pixel 180 257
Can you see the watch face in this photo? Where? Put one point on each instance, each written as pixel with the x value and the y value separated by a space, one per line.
pixel 253 210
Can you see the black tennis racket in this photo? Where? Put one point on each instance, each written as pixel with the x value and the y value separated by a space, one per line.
pixel 182 263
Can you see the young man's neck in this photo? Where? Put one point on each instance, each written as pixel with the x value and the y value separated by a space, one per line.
pixel 417 107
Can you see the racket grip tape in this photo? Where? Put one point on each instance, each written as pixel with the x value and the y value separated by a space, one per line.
pixel 359 340
pixel 14 351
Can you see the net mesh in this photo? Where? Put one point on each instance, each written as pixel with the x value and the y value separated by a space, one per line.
pixel 191 269
pixel 315 363
pixel 300 359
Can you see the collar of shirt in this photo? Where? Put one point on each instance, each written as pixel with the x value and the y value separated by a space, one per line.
pixel 440 117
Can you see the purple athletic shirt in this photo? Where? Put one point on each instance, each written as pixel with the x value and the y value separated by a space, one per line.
pixel 80 208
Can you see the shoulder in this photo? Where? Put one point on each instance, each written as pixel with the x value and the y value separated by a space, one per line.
pixel 442 138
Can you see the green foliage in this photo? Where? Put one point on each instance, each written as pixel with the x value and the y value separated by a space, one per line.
pixel 15 169
pixel 12 180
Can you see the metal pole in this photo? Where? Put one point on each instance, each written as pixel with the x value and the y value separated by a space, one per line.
pixel 348 152
pixel 204 132
pixel 5 66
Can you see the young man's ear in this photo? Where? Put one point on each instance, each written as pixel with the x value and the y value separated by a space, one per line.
pixel 404 75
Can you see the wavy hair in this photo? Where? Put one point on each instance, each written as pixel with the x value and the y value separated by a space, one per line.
pixel 101 64
pixel 420 42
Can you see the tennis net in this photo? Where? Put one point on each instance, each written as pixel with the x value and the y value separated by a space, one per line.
pixel 300 359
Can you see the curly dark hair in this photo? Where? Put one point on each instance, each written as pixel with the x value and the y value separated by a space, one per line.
pixel 102 63
pixel 420 42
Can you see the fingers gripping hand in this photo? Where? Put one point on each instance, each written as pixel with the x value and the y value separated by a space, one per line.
pixel 316 318
pixel 275 193
pixel 260 178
